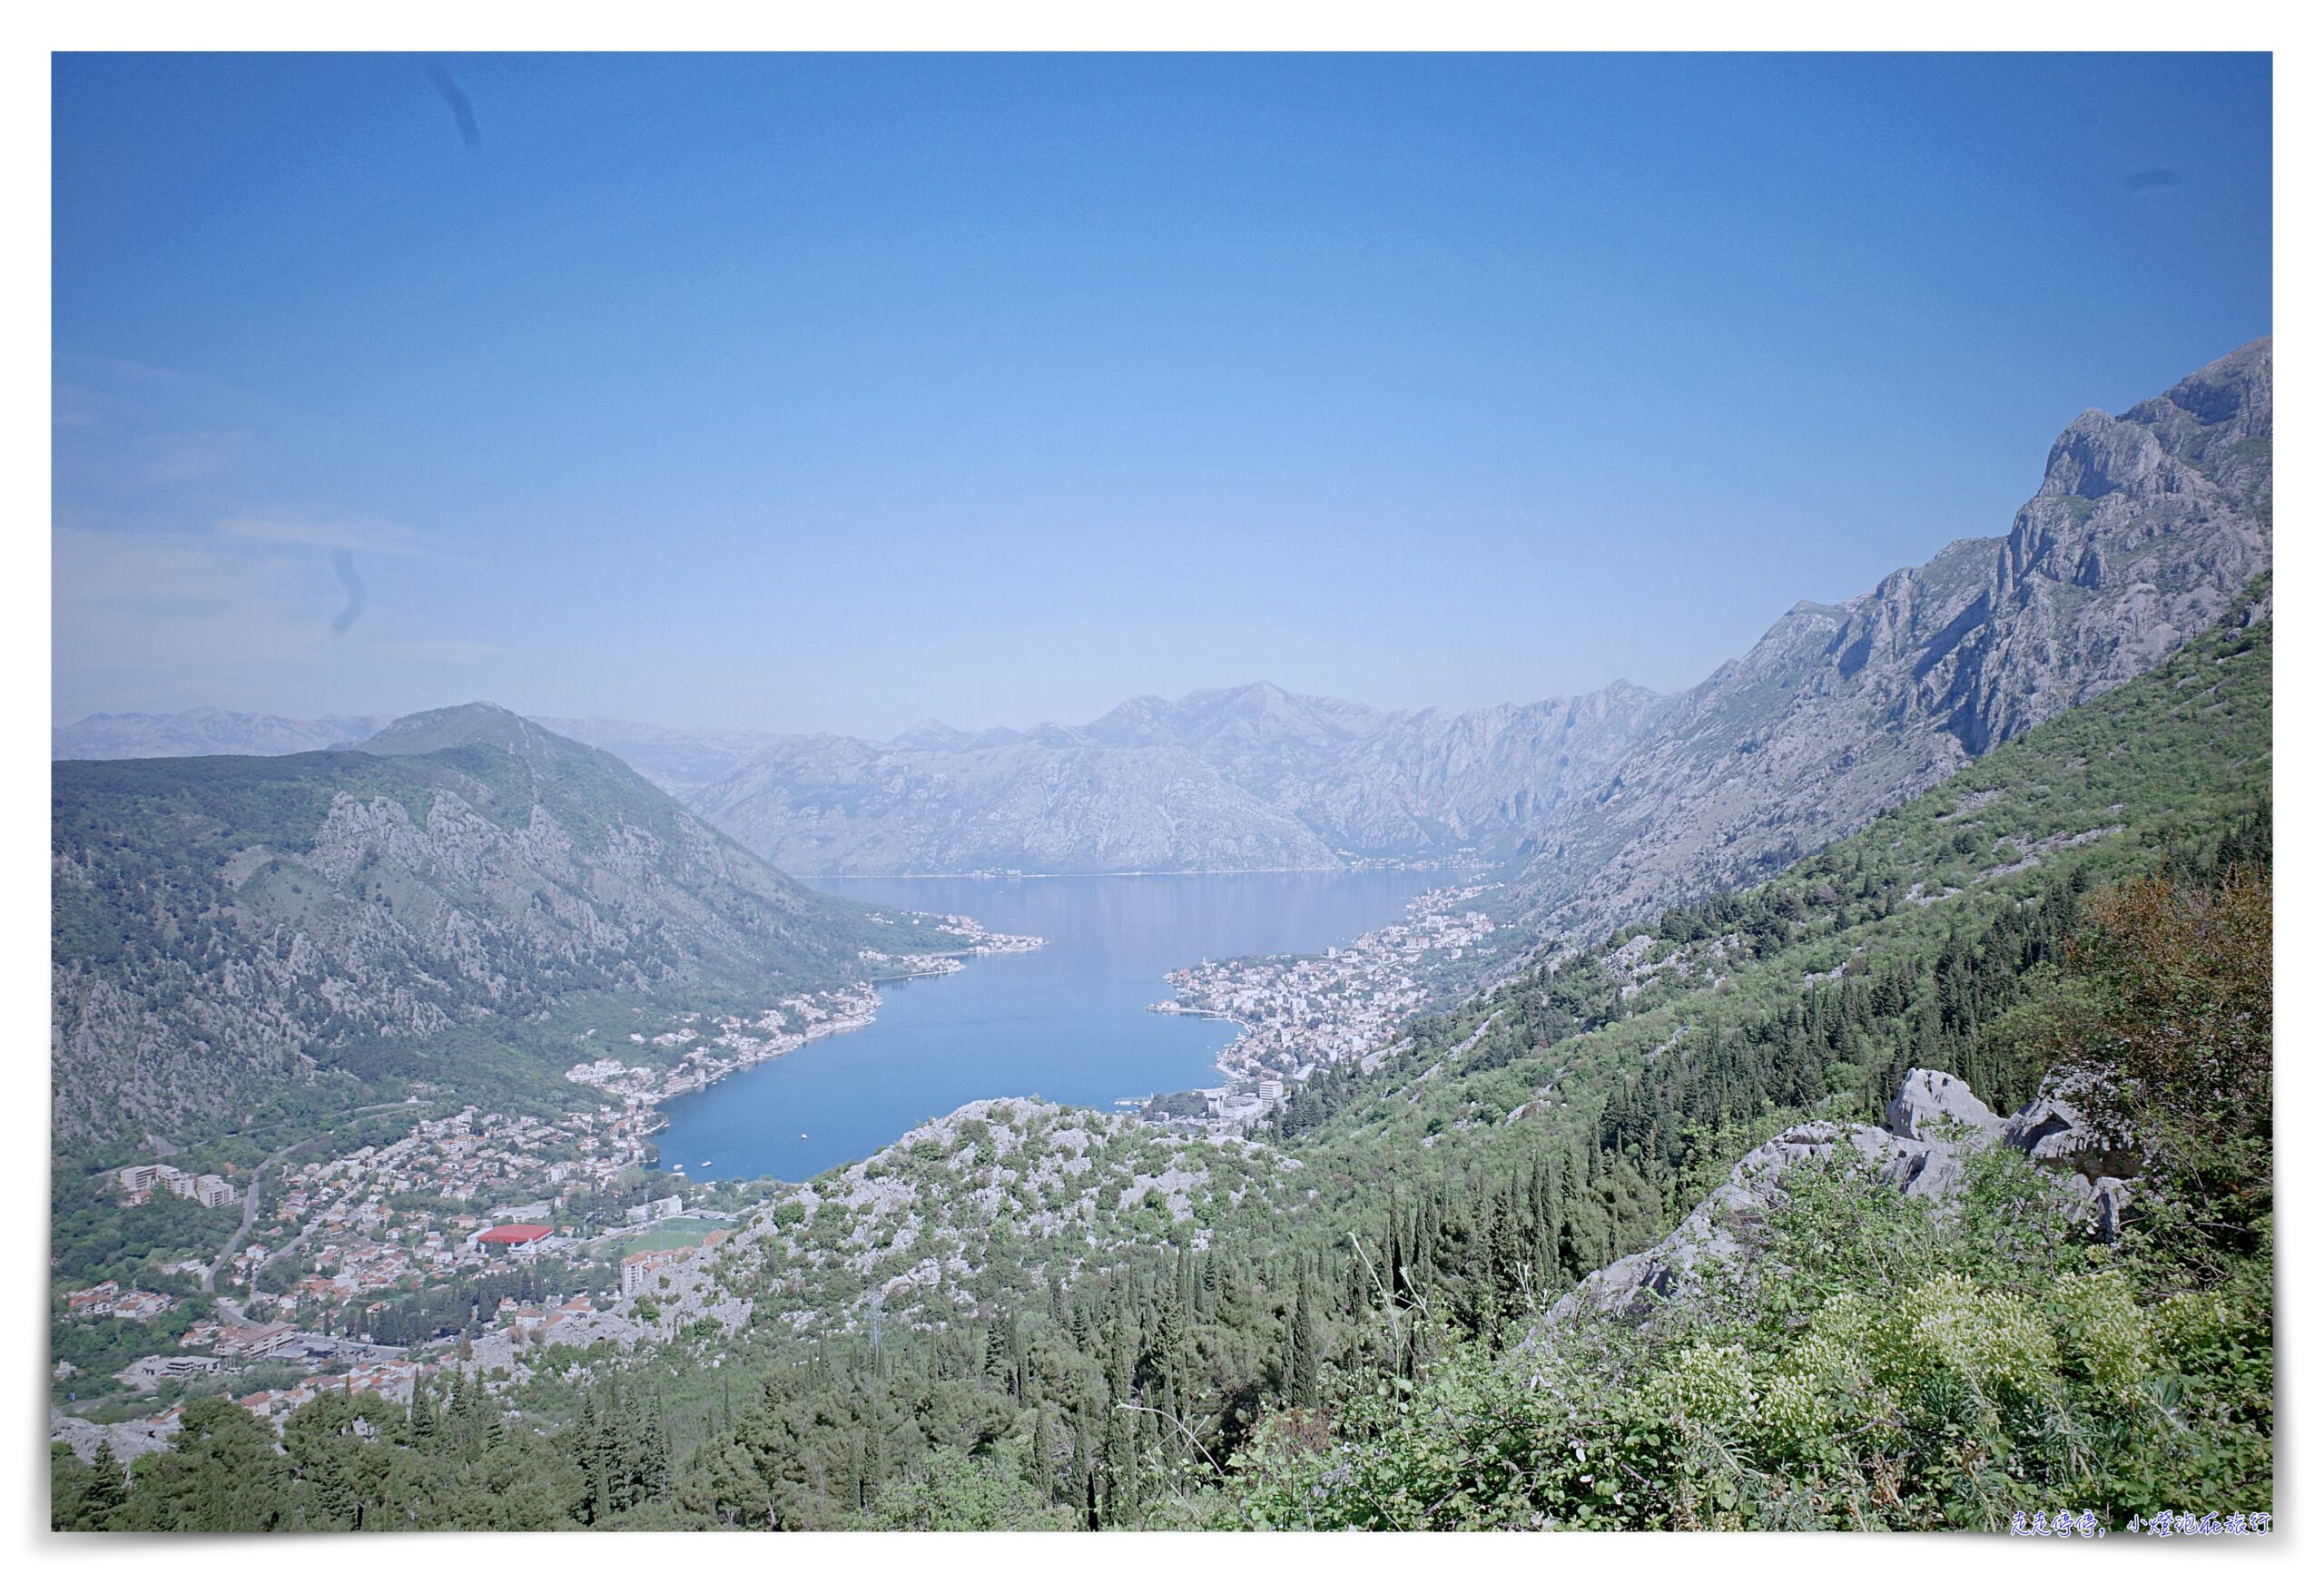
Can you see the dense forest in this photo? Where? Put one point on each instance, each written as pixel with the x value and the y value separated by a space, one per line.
pixel 1360 1342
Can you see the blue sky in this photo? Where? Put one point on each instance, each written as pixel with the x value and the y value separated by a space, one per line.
pixel 829 393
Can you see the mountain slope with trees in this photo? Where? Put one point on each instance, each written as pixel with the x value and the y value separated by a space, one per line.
pixel 1332 1329
pixel 227 929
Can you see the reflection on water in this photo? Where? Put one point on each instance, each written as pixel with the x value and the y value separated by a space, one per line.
pixel 1067 1022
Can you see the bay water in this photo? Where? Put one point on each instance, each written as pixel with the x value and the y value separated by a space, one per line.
pixel 1066 1023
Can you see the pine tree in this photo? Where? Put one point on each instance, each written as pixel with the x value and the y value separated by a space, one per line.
pixel 102 1490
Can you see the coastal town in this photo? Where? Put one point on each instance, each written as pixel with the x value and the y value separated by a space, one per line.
pixel 479 1239
pixel 1299 1013
pixel 476 1239
pixel 460 1208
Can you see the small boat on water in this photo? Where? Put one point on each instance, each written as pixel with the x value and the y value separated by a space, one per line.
pixel 803 1138
pixel 704 1162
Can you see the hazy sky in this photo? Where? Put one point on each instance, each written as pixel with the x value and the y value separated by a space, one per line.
pixel 833 392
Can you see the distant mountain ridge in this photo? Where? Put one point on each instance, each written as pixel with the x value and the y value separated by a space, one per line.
pixel 678 760
pixel 1232 778
pixel 195 732
pixel 2145 528
pixel 225 928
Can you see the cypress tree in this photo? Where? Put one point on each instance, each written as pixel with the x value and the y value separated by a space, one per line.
pixel 1306 1375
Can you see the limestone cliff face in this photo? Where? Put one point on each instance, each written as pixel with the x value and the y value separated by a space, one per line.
pixel 2146 529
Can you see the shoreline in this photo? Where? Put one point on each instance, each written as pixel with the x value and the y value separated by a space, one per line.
pixel 1219 1063
pixel 1250 1065
pixel 1002 876
pixel 829 1027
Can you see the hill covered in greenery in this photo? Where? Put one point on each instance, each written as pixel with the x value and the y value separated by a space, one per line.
pixel 230 931
pixel 1025 1320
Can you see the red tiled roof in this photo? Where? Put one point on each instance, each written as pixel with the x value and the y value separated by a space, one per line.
pixel 514 1235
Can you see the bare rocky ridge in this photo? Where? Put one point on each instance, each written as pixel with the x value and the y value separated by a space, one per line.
pixel 2147 528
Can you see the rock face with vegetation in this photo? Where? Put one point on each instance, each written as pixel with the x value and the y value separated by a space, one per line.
pixel 1933 1127
pixel 227 928
pixel 1000 1191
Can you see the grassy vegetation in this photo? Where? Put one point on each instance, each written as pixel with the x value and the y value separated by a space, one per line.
pixel 683 1232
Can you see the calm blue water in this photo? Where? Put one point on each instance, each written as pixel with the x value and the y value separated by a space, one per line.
pixel 1067 1022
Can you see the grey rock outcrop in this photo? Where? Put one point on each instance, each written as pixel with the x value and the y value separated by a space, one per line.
pixel 2062 1130
pixel 1935 1124
pixel 129 1441
pixel 1716 1234
pixel 1929 1105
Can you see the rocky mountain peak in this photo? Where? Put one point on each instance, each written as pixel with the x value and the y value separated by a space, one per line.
pixel 2098 454
pixel 2147 528
pixel 2234 396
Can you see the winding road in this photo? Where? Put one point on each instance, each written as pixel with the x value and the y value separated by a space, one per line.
pixel 257 1180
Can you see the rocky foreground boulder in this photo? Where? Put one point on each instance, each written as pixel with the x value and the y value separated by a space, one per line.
pixel 1935 1124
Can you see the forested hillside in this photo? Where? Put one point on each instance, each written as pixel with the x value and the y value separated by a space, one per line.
pixel 226 930
pixel 1011 1322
